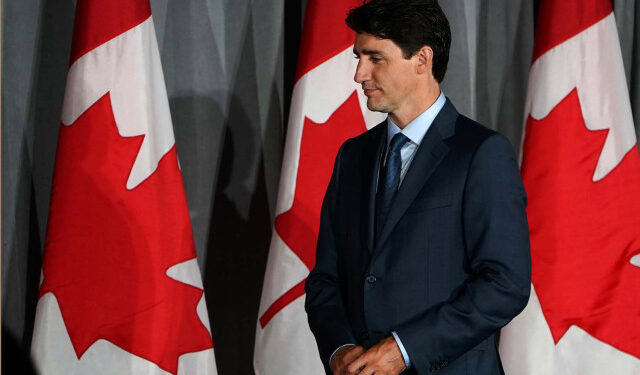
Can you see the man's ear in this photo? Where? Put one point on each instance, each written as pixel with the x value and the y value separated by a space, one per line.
pixel 424 60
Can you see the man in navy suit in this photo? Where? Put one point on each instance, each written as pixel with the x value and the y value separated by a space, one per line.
pixel 423 250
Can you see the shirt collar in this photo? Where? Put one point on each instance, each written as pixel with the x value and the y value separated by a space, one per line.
pixel 417 128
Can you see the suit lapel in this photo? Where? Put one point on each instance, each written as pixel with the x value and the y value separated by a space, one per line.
pixel 430 153
pixel 371 164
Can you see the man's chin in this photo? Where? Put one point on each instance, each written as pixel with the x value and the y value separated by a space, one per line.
pixel 376 107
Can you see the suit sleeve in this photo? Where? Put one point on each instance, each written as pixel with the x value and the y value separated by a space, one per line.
pixel 496 237
pixel 324 306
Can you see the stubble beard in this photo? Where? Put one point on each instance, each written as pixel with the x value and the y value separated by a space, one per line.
pixel 377 107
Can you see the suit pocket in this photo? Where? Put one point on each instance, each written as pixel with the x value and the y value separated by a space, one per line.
pixel 430 202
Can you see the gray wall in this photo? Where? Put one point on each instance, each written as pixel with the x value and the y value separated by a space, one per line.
pixel 228 67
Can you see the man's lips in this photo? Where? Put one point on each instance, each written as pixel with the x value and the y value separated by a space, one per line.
pixel 368 92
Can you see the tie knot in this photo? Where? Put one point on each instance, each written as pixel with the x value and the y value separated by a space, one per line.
pixel 397 142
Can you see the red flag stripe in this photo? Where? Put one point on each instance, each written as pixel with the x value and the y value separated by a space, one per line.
pixel 324 33
pixel 283 301
pixel 98 21
pixel 558 21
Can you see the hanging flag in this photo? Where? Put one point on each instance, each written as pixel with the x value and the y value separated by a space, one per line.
pixel 581 170
pixel 121 291
pixel 327 108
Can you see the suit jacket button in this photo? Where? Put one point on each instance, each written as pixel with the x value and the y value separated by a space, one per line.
pixel 371 279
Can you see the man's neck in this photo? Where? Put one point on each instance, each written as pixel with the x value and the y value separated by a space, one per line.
pixel 416 106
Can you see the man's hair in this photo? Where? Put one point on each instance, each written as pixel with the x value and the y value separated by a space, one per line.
pixel 410 24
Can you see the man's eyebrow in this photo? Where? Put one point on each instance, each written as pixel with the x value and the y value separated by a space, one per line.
pixel 367 52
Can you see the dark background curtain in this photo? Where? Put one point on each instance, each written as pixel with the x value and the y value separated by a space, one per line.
pixel 228 67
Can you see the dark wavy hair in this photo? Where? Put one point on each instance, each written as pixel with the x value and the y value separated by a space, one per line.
pixel 410 24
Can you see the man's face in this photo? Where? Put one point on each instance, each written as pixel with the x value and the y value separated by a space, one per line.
pixel 387 78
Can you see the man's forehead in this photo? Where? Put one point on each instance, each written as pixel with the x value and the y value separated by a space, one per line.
pixel 366 51
pixel 368 44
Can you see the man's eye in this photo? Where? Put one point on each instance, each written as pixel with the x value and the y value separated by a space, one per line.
pixel 375 60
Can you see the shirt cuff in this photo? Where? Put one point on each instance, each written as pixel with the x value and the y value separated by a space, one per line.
pixel 405 356
pixel 334 352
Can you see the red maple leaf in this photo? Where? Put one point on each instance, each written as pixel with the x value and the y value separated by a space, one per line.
pixel 298 227
pixel 108 248
pixel 583 233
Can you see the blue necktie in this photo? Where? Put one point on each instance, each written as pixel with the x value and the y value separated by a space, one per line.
pixel 389 180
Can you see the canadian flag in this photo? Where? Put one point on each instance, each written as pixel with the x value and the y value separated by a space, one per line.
pixel 327 107
pixel 121 291
pixel 581 170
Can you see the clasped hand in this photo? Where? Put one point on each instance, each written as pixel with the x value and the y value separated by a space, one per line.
pixel 384 358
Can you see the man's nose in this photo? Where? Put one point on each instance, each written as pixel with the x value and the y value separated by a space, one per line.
pixel 362 73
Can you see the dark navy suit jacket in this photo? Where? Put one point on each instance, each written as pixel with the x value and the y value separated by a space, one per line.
pixel 451 264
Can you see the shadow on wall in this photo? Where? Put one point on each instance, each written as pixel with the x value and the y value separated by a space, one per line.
pixel 47 93
pixel 198 124
pixel 236 253
pixel 21 290
pixel 15 360
pixel 34 118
